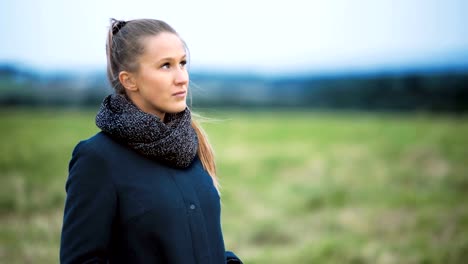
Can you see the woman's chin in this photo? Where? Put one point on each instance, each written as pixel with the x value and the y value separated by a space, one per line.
pixel 177 108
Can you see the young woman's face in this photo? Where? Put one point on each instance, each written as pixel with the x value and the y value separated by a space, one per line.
pixel 162 78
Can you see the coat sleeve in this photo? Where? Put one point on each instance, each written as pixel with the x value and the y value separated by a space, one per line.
pixel 90 208
pixel 231 258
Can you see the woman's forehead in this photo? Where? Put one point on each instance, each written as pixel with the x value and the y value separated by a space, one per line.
pixel 163 45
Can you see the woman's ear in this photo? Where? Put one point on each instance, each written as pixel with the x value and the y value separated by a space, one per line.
pixel 128 81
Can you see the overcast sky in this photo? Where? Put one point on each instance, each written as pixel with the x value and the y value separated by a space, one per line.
pixel 248 35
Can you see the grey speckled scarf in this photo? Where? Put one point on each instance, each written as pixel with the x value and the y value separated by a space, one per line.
pixel 173 142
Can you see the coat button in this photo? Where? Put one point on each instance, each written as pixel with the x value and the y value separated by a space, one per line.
pixel 192 207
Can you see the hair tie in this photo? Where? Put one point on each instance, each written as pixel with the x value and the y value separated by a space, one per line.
pixel 117 26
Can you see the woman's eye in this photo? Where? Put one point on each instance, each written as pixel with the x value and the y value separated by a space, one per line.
pixel 183 63
pixel 166 65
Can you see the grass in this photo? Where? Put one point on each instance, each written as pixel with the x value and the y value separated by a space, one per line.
pixel 297 186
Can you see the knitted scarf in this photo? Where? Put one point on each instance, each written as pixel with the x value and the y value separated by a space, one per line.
pixel 173 142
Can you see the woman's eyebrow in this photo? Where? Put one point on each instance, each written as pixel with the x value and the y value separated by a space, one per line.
pixel 172 58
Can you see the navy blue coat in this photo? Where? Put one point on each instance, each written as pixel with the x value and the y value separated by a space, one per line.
pixel 124 208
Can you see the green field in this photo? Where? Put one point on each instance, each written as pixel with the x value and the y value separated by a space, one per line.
pixel 297 187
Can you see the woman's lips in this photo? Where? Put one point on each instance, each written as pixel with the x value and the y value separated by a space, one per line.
pixel 179 94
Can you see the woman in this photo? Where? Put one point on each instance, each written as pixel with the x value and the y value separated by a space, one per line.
pixel 144 190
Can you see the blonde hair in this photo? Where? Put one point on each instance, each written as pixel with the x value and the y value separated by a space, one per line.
pixel 123 47
pixel 206 153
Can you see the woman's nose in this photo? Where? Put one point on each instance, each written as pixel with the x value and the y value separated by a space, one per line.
pixel 181 76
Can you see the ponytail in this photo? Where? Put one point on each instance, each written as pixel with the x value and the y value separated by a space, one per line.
pixel 205 152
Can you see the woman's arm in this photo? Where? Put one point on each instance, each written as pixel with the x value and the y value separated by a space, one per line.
pixel 89 209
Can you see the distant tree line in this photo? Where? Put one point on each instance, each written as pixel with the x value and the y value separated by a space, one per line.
pixel 442 91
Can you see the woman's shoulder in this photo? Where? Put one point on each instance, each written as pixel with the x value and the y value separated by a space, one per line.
pixel 102 147
pixel 98 143
pixel 89 167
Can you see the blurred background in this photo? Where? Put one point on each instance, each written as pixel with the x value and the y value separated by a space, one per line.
pixel 340 127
